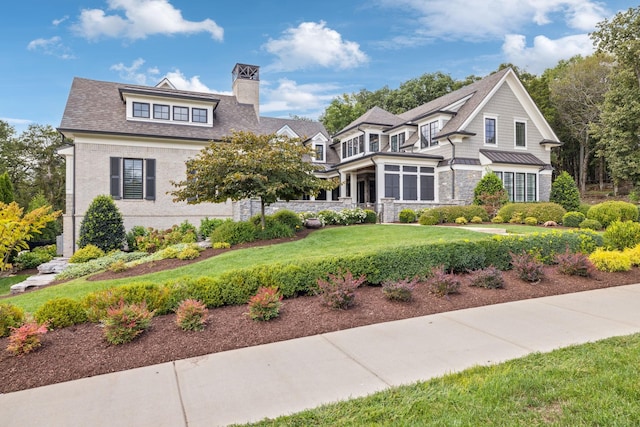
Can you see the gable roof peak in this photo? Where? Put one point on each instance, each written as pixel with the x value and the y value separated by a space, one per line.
pixel 374 116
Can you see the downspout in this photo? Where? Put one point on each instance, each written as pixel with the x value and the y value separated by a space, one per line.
pixel 453 172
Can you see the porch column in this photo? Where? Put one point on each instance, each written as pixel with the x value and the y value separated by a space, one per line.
pixel 354 187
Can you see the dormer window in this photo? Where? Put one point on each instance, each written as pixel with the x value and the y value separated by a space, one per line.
pixel 181 114
pixel 319 152
pixel 199 115
pixel 160 112
pixel 374 142
pixel 427 135
pixel 141 109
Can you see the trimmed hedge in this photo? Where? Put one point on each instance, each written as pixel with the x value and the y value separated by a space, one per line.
pixel 543 211
pixel 449 214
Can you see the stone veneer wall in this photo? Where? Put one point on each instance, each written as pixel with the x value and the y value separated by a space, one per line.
pixel 544 192
pixel 245 209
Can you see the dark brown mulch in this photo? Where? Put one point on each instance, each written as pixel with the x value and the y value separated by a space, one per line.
pixel 81 351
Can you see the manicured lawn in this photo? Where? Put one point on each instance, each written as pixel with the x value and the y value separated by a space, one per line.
pixel 512 228
pixel 6 282
pixel 322 243
pixel 588 385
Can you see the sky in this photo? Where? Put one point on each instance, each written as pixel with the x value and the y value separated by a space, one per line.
pixel 309 52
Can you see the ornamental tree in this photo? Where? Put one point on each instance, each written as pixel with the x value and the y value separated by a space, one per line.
pixel 490 193
pixel 247 165
pixel 17 229
pixel 102 225
pixel 564 192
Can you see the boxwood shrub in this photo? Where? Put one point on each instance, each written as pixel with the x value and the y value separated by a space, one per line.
pixel 573 219
pixel 542 211
pixel 607 212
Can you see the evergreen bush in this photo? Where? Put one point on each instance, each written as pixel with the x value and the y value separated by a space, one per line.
pixel 87 253
pixel 102 225
pixel 607 212
pixel 490 193
pixel 288 218
pixel 407 216
pixel 573 219
pixel 621 235
pixel 564 192
pixel 11 316
pixel 234 232
pixel 543 211
pixel 60 313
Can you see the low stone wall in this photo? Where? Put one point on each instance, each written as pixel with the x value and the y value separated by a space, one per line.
pixel 245 209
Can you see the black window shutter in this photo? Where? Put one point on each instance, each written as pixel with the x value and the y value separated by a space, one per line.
pixel 150 177
pixel 116 177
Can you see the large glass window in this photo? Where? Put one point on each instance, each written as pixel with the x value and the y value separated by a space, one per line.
pixel 521 134
pixel 532 193
pixel 141 109
pixel 427 134
pixel 132 178
pixel 181 114
pixel 415 182
pixel 161 112
pixel 361 143
pixel 199 115
pixel 394 143
pixel 520 187
pixel 392 185
pixel 489 130
pixel 410 187
pixel 319 152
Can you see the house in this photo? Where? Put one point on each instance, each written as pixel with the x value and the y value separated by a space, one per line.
pixel 435 154
pixel 131 141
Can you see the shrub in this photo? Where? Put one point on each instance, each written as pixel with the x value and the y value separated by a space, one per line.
pixel 516 218
pixel 498 220
pixel 574 264
pixel 429 217
pixel 564 192
pixel 584 208
pixel 407 216
pixel 208 225
pixel 610 261
pixel 155 240
pixel 78 270
pixel 288 218
pixel 27 260
pixel 634 255
pixel 170 252
pixel 329 217
pixel 274 230
pixel 573 219
pixel 399 290
pixel 531 220
pixel 620 235
pixel 191 315
pixel 461 220
pixel 476 220
pixel 488 278
pixel 371 217
pixel 60 313
pixel 607 212
pixel 490 193
pixel 442 283
pixel 339 290
pixel 543 211
pixel 265 304
pixel 189 253
pixel 221 245
pixel 11 316
pixel 119 266
pixel 591 224
pixel 352 216
pixel 527 266
pixel 132 237
pixel 234 233
pixel 124 322
pixel 26 338
pixel 102 225
pixel 86 253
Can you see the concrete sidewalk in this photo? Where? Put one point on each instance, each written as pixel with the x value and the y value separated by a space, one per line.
pixel 266 381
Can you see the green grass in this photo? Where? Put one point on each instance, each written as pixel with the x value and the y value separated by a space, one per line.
pixel 512 228
pixel 594 384
pixel 321 243
pixel 7 282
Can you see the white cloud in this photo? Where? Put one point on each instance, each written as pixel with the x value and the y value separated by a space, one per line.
pixel 141 18
pixel 312 44
pixel 545 53
pixel 180 81
pixel 303 99
pixel 57 22
pixel 475 20
pixel 52 46
pixel 133 73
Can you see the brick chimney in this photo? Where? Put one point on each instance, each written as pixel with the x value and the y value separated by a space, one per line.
pixel 246 85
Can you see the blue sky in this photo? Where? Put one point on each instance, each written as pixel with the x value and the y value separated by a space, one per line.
pixel 309 52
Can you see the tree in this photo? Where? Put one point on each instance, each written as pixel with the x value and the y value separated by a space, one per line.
pixel 6 189
pixel 102 225
pixel 52 229
pixel 577 94
pixel 564 192
pixel 490 193
pixel 340 112
pixel 17 229
pixel 619 127
pixel 247 165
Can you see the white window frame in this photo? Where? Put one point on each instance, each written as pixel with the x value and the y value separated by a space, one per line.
pixel 515 134
pixel 324 152
pixel 484 130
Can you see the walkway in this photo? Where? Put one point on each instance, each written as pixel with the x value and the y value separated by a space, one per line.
pixel 266 381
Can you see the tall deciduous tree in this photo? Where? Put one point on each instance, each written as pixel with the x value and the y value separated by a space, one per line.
pixel 6 189
pixel 577 94
pixel 619 129
pixel 247 165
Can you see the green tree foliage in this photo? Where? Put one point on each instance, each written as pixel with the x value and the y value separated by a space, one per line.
pixel 53 228
pixel 620 120
pixel 340 112
pixel 247 165
pixel 564 192
pixel 6 189
pixel 102 225
pixel 577 94
pixel 490 193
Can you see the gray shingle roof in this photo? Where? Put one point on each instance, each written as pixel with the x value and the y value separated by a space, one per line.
pixel 375 116
pixel 97 107
pixel 510 158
